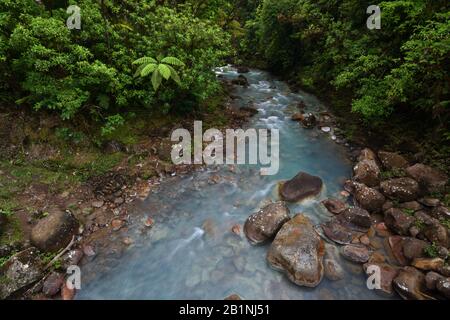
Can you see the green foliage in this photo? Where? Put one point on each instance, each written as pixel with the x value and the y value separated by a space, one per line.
pixel 432 250
pixel 112 123
pixel 326 44
pixel 409 212
pixel 159 68
pixel 89 72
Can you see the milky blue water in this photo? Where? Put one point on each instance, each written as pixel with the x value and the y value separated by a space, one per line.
pixel 191 253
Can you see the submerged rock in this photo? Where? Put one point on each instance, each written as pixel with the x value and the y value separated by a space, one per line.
pixel 333 271
pixel 302 186
pixel 54 231
pixel 402 189
pixel 356 253
pixel 298 251
pixel 336 232
pixel 264 224
pixel 430 180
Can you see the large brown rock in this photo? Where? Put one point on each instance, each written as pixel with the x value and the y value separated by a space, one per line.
pixel 367 154
pixel 398 221
pixel 54 231
pixel 401 189
pixel 367 172
pixel 302 186
pixel 443 286
pixel 264 224
pixel 431 180
pixel 410 284
pixel 298 251
pixel 413 248
pixel 428 264
pixel 368 198
pixel 391 160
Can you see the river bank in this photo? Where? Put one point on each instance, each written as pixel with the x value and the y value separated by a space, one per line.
pixel 183 220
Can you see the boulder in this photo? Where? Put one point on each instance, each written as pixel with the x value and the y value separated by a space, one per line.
pixel 440 213
pixel 356 253
pixel 302 186
pixel 443 286
pixel 401 189
pixel 20 271
pixel 243 69
pixel 368 198
pixel 367 154
pixel 432 229
pixel 429 202
pixel 411 205
pixel 367 172
pixel 264 224
pixel 428 264
pixel 309 121
pixel 52 284
pixel 431 280
pixel 398 221
pixel 298 251
pixel 334 206
pixel 54 231
pixel 391 160
pixel 387 274
pixel 410 284
pixel 395 247
pixel 430 180
pixel 240 81
pixel 413 248
pixel 355 218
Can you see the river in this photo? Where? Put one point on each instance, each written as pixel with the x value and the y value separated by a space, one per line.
pixel 190 252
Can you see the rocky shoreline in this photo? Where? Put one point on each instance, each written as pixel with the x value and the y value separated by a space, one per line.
pixel 413 258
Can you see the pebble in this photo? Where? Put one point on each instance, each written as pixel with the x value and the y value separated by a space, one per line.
pixel 326 129
pixel 116 224
pixel 98 203
pixel 149 222
pixel 88 250
pixel 127 241
pixel 236 229
pixel 118 201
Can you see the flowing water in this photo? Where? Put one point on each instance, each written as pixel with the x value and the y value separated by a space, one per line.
pixel 191 253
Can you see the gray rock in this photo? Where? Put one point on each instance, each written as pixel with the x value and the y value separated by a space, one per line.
pixel 54 231
pixel 401 189
pixel 302 186
pixel 20 271
pixel 298 251
pixel 264 224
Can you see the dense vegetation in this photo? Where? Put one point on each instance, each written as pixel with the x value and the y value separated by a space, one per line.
pixel 400 69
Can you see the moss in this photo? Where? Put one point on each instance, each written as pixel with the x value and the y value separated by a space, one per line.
pixel 12 233
pixel 409 212
pixel 432 250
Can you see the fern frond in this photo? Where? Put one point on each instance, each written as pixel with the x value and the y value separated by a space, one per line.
pixel 138 70
pixel 156 79
pixel 164 70
pixel 173 61
pixel 144 60
pixel 174 75
pixel 148 69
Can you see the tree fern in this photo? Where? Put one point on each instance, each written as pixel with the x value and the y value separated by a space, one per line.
pixel 160 68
